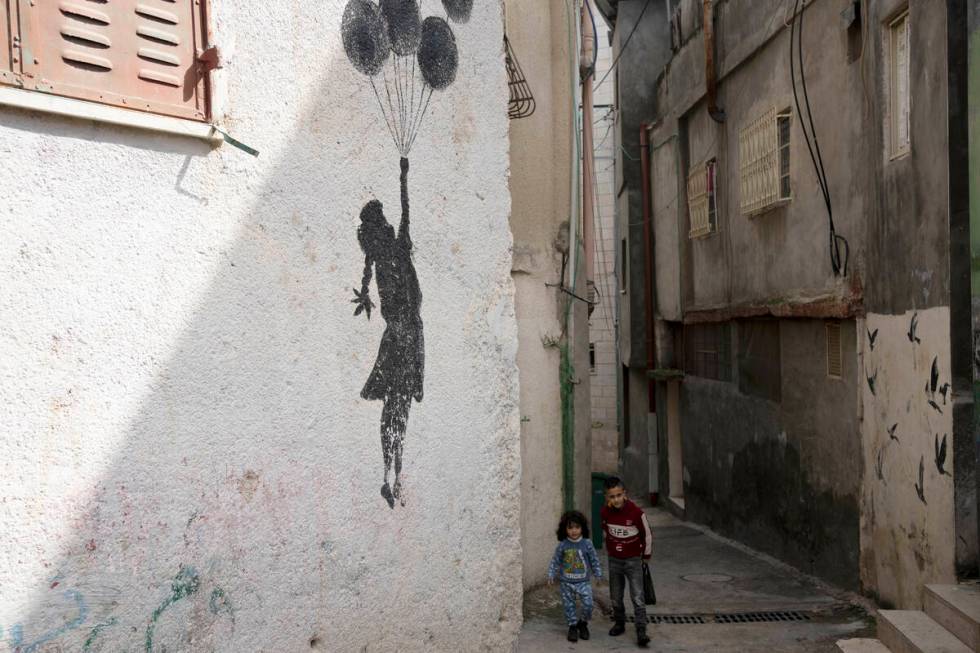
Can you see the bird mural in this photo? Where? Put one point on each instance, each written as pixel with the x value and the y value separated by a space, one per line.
pixel 891 433
pixel 872 336
pixel 913 338
pixel 941 455
pixel 872 381
pixel 920 488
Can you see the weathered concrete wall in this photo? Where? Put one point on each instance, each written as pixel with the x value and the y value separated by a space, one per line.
pixel 895 215
pixel 907 512
pixel 186 462
pixel 783 476
pixel 540 183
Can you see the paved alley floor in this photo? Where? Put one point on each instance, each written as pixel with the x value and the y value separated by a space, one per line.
pixel 701 576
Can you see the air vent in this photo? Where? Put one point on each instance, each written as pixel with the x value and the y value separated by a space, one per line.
pixel 834 362
pixel 772 616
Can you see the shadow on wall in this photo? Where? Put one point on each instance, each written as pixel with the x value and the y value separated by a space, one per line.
pixel 239 510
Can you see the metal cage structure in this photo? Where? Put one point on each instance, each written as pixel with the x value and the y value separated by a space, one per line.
pixel 521 103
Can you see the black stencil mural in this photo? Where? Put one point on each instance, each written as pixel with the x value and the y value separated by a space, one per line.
pixel 941 455
pixel 458 10
pixel 872 336
pixel 932 385
pixel 891 433
pixel 406 59
pixel 920 486
pixel 913 326
pixel 872 381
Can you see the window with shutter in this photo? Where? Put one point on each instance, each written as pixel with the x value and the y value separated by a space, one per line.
pixel 141 55
pixel 899 96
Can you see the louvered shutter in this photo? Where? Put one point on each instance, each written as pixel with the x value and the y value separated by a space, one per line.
pixel 141 55
pixel 7 33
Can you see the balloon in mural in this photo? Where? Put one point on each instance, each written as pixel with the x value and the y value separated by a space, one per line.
pixel 458 10
pixel 405 58
pixel 437 53
pixel 404 25
pixel 365 37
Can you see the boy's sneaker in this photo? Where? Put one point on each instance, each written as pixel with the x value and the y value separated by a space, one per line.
pixel 573 633
pixel 641 636
pixel 618 629
pixel 583 630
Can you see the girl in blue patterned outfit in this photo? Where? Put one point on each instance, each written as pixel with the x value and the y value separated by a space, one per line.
pixel 575 563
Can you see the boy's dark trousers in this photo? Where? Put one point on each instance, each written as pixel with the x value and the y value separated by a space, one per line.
pixel 621 571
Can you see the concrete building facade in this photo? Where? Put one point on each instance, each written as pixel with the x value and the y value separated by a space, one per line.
pixel 812 399
pixel 192 456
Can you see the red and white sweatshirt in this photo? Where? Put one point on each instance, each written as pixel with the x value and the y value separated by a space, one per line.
pixel 627 531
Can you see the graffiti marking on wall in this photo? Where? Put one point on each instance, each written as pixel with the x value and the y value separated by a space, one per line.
pixel 405 59
pixel 913 325
pixel 941 455
pixel 920 486
pixel 184 584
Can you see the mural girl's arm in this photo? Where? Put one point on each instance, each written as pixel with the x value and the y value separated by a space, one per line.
pixel 363 298
pixel 403 227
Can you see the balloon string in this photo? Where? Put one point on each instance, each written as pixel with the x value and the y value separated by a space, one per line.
pixel 392 109
pixel 416 111
pixel 400 100
pixel 419 122
pixel 381 106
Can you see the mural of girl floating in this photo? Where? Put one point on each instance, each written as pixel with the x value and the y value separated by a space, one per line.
pixel 405 60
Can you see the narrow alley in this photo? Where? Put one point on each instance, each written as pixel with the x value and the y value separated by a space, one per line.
pixel 712 595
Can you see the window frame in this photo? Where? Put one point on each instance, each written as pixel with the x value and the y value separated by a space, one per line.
pixel 760 152
pixel 897 106
pixel 23 85
pixel 702 199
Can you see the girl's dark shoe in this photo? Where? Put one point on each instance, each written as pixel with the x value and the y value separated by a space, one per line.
pixel 583 630
pixel 641 636
pixel 573 633
pixel 618 629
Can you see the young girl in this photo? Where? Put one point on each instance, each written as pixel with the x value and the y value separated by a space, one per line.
pixel 575 563
pixel 399 369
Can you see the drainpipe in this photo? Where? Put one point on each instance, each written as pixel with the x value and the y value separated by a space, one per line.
pixel 588 76
pixel 718 115
pixel 647 261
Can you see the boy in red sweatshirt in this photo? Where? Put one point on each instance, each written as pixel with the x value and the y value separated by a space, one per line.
pixel 628 542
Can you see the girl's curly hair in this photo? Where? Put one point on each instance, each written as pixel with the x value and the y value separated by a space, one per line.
pixel 572 517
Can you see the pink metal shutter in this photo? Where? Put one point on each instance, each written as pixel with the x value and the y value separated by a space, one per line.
pixel 8 10
pixel 140 54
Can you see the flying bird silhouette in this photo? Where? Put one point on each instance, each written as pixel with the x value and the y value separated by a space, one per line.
pixel 880 466
pixel 936 406
pixel 872 336
pixel 934 376
pixel 941 455
pixel 912 327
pixel 920 487
pixel 872 380
pixel 891 432
pixel 943 390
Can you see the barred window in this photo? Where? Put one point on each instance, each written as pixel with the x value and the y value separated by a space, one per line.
pixel 707 351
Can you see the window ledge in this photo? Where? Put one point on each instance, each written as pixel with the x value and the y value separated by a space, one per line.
pixel 64 106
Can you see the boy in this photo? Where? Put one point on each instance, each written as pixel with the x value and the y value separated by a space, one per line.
pixel 628 542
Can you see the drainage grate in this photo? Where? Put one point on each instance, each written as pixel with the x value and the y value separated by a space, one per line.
pixel 760 617
pixel 676 619
pixel 723 618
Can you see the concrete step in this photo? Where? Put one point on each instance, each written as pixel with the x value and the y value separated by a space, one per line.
pixel 911 631
pixel 957 609
pixel 862 646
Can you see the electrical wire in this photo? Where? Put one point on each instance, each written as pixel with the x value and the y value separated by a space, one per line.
pixel 612 67
pixel 838 264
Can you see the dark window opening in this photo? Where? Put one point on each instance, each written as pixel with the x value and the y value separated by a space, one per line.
pixel 708 351
pixel 759 362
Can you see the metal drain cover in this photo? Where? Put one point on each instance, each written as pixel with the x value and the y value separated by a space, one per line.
pixel 707 578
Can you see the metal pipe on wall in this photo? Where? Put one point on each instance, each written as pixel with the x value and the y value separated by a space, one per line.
pixel 588 152
pixel 647 262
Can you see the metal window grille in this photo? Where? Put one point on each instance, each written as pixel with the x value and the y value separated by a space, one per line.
pixel 834 356
pixel 900 105
pixel 521 104
pixel 708 351
pixel 764 175
pixel 701 199
pixel 142 56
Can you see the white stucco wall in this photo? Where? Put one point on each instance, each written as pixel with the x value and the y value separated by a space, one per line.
pixel 907 539
pixel 185 455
